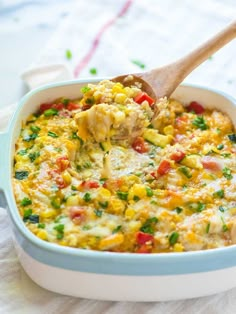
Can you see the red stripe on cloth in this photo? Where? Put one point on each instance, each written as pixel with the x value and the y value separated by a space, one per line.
pixel 97 39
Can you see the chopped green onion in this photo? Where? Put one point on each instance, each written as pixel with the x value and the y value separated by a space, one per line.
pixel 136 198
pixel 103 204
pixel 68 54
pixel 93 71
pixel 41 225
pixel 60 231
pixel 148 225
pixel 34 128
pixel 52 134
pixel 200 123
pixel 73 188
pixel 232 137
pixel 50 112
pixel 224 226
pixel 21 175
pixel 56 203
pixel 222 208
pixel 208 227
pixel 85 89
pixel 198 207
pixel 185 170
pixel 117 229
pixel 149 191
pixel 220 146
pixel 25 202
pixel 122 195
pixel 22 152
pixel 98 212
pixel 33 156
pixel 27 213
pixel 30 137
pixel 219 193
pixel 178 209
pixel 87 197
pixel 227 173
pixel 173 238
pixel 138 63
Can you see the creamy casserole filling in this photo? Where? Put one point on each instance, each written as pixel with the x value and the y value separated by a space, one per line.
pixel 101 173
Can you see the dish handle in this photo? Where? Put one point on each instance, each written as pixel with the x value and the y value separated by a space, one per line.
pixel 3 179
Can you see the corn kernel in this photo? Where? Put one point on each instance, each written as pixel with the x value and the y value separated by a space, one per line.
pixel 120 98
pixel 111 241
pixel 116 206
pixel 135 225
pixel 178 247
pixel 168 130
pixel 73 200
pixel 66 177
pixel 42 234
pixel 129 213
pixel 48 213
pixel 104 193
pixel 137 190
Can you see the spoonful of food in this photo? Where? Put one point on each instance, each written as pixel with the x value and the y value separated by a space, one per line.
pixel 162 81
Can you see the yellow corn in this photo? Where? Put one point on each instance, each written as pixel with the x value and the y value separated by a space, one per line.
pixel 42 234
pixel 120 98
pixel 135 225
pixel 118 88
pixel 168 130
pixel 137 190
pixel 48 213
pixel 104 193
pixel 73 200
pixel 178 247
pixel 111 241
pixel 116 206
pixel 66 177
pixel 129 213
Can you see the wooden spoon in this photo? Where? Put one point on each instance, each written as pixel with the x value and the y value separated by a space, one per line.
pixel 163 81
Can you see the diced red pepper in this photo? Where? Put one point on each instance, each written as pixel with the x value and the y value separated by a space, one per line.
pixel 139 145
pixel 60 182
pixel 90 184
pixel 62 163
pixel 144 249
pixel 196 107
pixel 210 163
pixel 72 106
pixel 153 174
pixel 44 107
pixel 143 238
pixel 77 214
pixel 144 96
pixel 177 156
pixel 164 167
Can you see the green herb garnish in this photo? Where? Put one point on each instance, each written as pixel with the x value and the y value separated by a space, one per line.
pixel 87 197
pixel 33 156
pixel 56 203
pixel 200 123
pixel 178 209
pixel 220 146
pixel 227 173
pixel 25 202
pixel 68 54
pixel 136 198
pixel 85 89
pixel 93 71
pixel 117 229
pixel 98 212
pixel 50 112
pixel 198 207
pixel 148 226
pixel 149 191
pixel 21 175
pixel 208 227
pixel 138 63
pixel 34 128
pixel 60 231
pixel 185 170
pixel 103 204
pixel 30 137
pixel 232 137
pixel 41 225
pixel 222 208
pixel 122 195
pixel 224 226
pixel 52 134
pixel 173 238
pixel 22 152
pixel 219 193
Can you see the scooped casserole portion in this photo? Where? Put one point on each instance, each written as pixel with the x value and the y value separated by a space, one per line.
pixel 102 172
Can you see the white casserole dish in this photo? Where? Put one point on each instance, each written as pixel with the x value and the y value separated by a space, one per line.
pixel 107 275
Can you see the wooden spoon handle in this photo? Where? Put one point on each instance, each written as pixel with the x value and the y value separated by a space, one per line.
pixel 188 63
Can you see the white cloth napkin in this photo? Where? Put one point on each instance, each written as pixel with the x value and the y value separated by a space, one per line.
pixel 112 37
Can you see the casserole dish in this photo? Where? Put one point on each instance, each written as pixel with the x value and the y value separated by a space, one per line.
pixel 108 275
